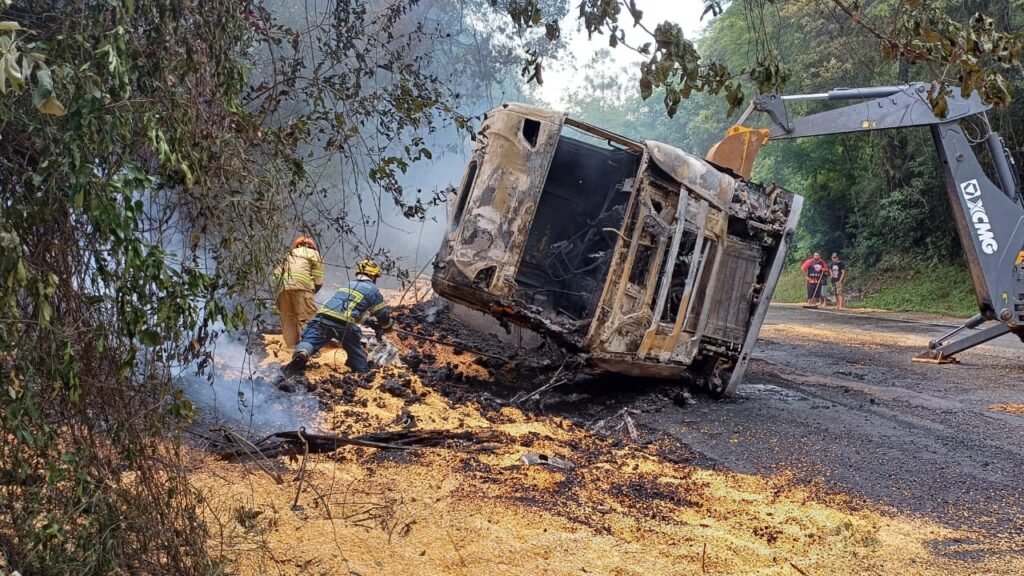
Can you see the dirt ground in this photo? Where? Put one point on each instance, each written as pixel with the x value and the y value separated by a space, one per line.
pixel 661 482
pixel 835 398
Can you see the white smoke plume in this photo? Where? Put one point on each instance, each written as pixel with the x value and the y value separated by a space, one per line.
pixel 238 393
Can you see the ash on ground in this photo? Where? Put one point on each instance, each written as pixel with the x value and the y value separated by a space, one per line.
pixel 479 367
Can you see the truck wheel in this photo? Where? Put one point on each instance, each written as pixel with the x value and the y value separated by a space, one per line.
pixel 717 379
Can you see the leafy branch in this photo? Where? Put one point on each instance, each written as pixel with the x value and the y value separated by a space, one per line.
pixel 974 54
pixel 17 63
pixel 673 63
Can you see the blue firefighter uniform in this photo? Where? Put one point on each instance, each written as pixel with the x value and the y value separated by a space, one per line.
pixel 339 319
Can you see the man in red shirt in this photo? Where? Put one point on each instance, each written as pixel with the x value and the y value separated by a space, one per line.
pixel 815 269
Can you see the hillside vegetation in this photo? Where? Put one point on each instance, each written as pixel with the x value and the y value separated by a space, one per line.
pixel 932 288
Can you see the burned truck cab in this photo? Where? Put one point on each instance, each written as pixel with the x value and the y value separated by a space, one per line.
pixel 647 260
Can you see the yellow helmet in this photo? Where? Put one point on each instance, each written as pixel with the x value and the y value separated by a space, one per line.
pixel 368 268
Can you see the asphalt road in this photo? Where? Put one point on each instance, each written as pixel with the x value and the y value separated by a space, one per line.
pixel 835 400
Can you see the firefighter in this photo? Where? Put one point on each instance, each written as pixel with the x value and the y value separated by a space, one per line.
pixel 340 317
pixel 299 276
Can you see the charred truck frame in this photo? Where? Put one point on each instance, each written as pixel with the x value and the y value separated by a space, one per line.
pixel 648 260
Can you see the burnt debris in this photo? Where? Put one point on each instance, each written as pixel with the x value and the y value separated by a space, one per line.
pixel 645 259
pixel 299 442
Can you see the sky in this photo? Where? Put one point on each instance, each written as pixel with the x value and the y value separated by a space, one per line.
pixel 561 75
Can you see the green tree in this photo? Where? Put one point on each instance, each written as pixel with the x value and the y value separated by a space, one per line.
pixel 871 196
pixel 972 53
pixel 153 158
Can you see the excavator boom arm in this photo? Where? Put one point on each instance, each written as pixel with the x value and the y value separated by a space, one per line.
pixel 989 215
pixel 889 107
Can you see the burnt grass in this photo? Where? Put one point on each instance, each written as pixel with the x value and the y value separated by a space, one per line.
pixel 592 400
pixel 585 398
pixel 333 390
pixel 778 424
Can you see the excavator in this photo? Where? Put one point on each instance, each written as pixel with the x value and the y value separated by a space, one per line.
pixel 989 214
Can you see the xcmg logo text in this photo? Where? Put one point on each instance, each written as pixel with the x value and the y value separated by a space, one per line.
pixel 979 217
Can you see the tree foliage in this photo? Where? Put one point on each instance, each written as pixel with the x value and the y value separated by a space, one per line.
pixel 870 196
pixel 155 157
pixel 115 143
pixel 972 53
pixel 673 66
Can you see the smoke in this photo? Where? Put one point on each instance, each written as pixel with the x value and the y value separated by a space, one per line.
pixel 413 243
pixel 465 49
pixel 350 217
pixel 379 226
pixel 237 392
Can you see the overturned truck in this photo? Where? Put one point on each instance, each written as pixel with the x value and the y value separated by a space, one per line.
pixel 647 260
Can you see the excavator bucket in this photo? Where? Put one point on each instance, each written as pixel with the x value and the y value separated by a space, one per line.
pixel 738 149
pixel 934 357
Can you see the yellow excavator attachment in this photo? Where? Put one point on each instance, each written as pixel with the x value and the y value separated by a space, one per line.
pixel 738 149
pixel 933 357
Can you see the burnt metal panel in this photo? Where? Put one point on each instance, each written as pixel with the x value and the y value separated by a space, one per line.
pixel 695 173
pixel 512 154
pixel 729 312
pixel 778 257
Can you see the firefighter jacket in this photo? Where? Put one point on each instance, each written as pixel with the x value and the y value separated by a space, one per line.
pixel 353 303
pixel 301 269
